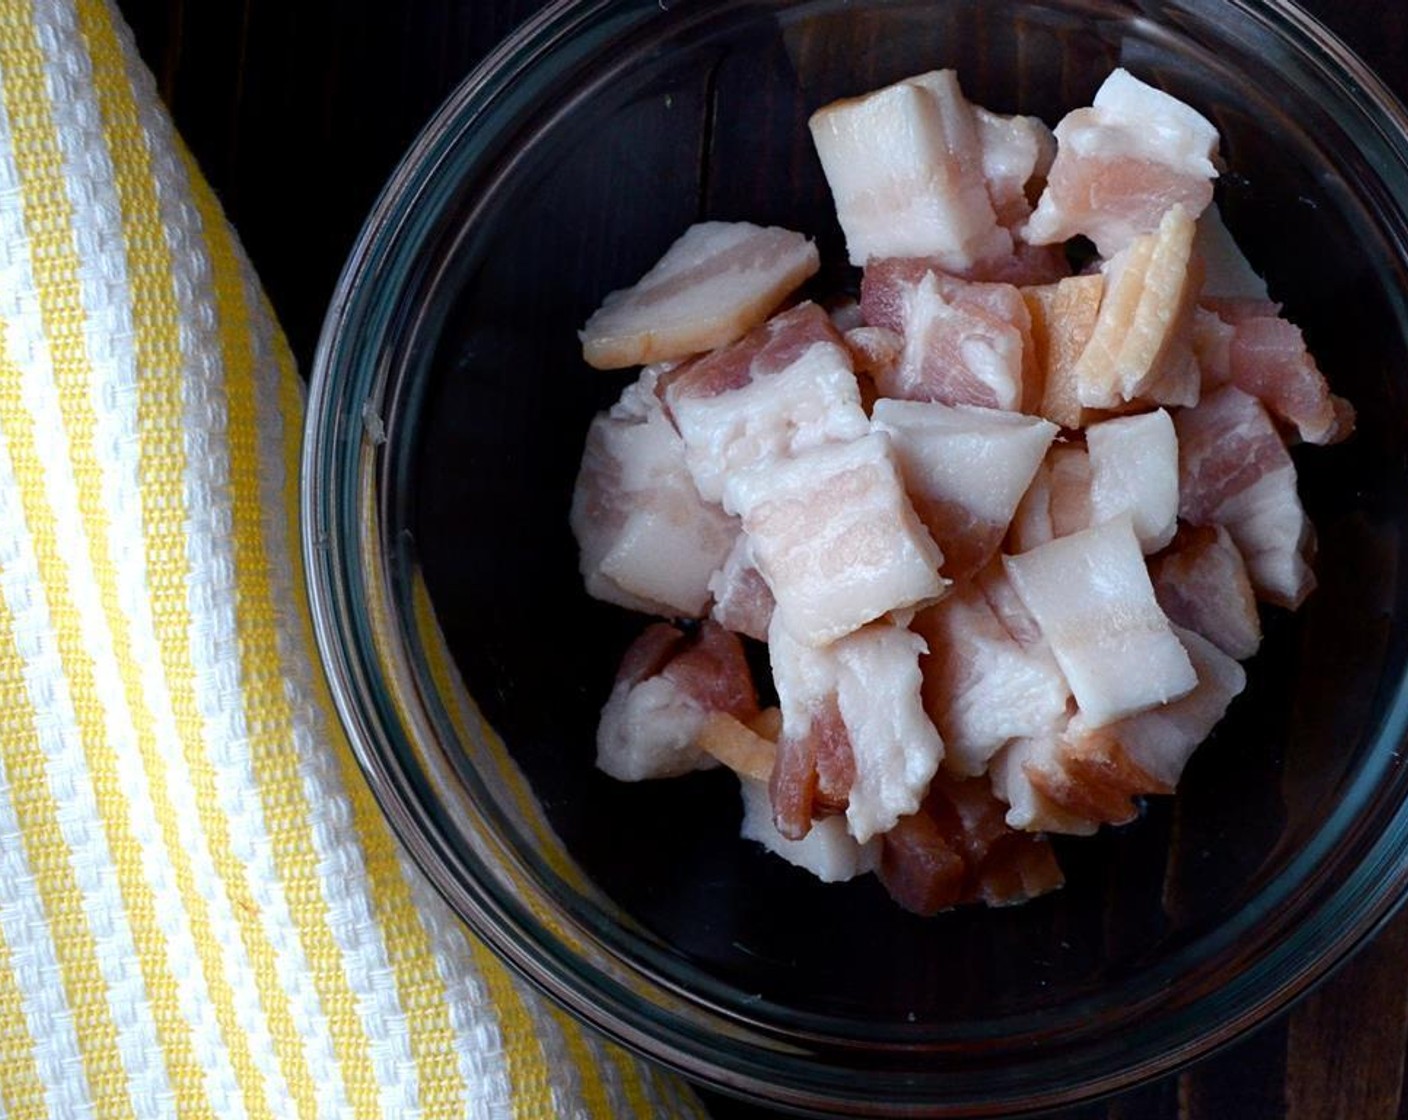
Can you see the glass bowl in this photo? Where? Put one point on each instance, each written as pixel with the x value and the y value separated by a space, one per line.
pixel 448 409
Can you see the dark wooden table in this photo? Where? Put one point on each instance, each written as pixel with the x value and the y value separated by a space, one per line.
pixel 299 109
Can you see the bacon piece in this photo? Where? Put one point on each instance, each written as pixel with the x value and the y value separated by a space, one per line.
pixel 965 470
pixel 1227 274
pixel 828 851
pixel 964 342
pixel 1015 151
pixel 648 541
pixel 1234 471
pixel 958 849
pixel 1134 473
pixel 1140 348
pixel 1063 318
pixel 712 286
pixel 1057 503
pixel 1201 583
pixel 905 168
pixel 1090 594
pixel 1122 164
pixel 982 686
pixel 875 351
pixel 1212 349
pixel 786 387
pixel 743 601
pixel 864 691
pixel 1029 809
pixel 1267 358
pixel 836 538
pixel 737 745
pixel 667 686
pixel 1096 774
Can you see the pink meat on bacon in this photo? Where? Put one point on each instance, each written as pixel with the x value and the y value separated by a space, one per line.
pixel 1122 164
pixel 1234 471
pixel 965 342
pixel 965 469
pixel 851 715
pixel 648 541
pixel 786 387
pixel 713 285
pixel 1202 584
pixel 1267 358
pixel 667 685
pixel 743 601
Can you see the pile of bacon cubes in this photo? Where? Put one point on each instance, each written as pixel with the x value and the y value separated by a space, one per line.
pixel 1002 525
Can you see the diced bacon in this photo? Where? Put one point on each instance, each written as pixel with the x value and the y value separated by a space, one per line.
pixel 1122 164
pixel 965 470
pixel 1201 583
pixel 875 351
pixel 785 388
pixel 920 867
pixel 666 688
pixel 870 679
pixel 836 538
pixel 957 849
pixel 1063 318
pixel 1090 594
pixel 1212 349
pixel 743 601
pixel 981 686
pixel 1134 474
pixel 712 286
pixel 1029 809
pixel 905 168
pixel 1015 151
pixel 1140 348
pixel 828 851
pixel 1227 274
pixel 1057 503
pixel 1096 774
pixel 1159 742
pixel 737 745
pixel 1026 264
pixel 1233 470
pixel 964 342
pixel 648 541
pixel 1268 359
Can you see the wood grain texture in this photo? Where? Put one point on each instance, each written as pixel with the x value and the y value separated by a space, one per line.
pixel 299 109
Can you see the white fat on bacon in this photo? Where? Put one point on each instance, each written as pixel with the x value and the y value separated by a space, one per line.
pixel 982 686
pixel 871 679
pixel 1090 594
pixel 836 538
pixel 828 851
pixel 965 470
pixel 964 341
pixel 1234 471
pixel 1121 164
pixel 648 541
pixel 905 167
pixel 784 388
pixel 1134 473
pixel 667 686
pixel 1202 584
pixel 712 286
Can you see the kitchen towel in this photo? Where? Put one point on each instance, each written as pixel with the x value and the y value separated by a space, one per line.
pixel 202 911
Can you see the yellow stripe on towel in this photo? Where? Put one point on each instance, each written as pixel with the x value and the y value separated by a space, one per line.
pixel 47 214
